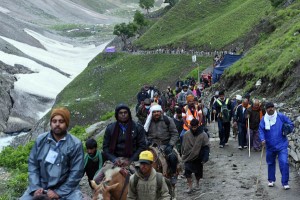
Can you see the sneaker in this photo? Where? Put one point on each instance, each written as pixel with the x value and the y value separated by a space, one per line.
pixel 245 147
pixel 240 147
pixel 226 144
pixel 271 184
pixel 286 187
pixel 189 191
pixel 221 146
pixel 173 180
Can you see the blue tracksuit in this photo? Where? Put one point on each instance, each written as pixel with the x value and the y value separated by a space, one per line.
pixel 276 145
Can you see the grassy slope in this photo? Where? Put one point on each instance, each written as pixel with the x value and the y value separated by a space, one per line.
pixel 274 57
pixel 121 76
pixel 207 24
pixel 118 80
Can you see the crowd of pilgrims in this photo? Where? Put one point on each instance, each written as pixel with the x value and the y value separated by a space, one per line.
pixel 185 102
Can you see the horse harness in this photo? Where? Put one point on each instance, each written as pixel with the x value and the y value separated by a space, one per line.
pixel 126 174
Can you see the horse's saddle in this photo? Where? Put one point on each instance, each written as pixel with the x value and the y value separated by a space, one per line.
pixel 161 161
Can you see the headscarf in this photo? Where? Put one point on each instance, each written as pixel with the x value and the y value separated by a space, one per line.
pixel 155 107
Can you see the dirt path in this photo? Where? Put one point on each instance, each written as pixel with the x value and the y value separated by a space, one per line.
pixel 231 174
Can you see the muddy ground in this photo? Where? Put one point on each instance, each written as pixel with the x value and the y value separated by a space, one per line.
pixel 231 175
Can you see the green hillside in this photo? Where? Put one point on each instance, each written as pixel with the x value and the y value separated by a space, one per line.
pixel 109 80
pixel 274 60
pixel 205 24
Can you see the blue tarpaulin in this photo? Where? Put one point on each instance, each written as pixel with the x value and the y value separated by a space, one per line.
pixel 226 62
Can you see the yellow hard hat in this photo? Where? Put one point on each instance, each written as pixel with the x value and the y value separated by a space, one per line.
pixel 146 157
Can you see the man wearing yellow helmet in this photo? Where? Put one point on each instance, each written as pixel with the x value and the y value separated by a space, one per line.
pixel 146 183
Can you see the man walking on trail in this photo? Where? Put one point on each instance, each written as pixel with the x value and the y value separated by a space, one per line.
pixel 56 161
pixel 183 94
pixel 240 117
pixel 161 130
pixel 92 160
pixel 143 111
pixel 195 152
pixel 221 108
pixel 146 183
pixel 211 104
pixel 190 111
pixel 254 114
pixel 234 105
pixel 271 129
pixel 124 139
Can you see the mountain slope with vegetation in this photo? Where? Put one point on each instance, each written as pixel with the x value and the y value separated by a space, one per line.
pixel 205 24
pixel 117 78
pixel 269 36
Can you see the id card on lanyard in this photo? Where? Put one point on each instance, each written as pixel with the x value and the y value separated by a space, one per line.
pixel 52 154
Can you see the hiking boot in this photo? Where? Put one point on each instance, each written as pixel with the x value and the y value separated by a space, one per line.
pixel 286 187
pixel 271 184
pixel 173 180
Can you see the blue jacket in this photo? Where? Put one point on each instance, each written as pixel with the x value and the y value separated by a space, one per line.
pixel 275 140
pixel 65 174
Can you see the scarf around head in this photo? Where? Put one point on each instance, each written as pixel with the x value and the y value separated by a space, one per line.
pixel 270 120
pixel 149 117
pixel 128 139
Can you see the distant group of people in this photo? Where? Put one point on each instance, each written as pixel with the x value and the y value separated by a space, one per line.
pixel 174 121
pixel 259 121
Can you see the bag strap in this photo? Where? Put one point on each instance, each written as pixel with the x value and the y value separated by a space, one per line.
pixel 135 182
pixel 167 122
pixel 159 178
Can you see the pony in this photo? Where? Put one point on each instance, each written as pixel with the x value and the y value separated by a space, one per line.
pixel 114 186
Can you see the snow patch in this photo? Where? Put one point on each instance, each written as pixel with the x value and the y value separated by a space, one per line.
pixel 47 82
pixel 4 10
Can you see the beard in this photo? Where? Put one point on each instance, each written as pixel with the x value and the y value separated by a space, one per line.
pixel 58 131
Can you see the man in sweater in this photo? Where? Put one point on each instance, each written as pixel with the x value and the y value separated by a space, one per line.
pixel 195 152
pixel 144 184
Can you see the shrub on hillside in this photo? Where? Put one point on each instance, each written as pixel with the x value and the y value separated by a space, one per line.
pixel 276 3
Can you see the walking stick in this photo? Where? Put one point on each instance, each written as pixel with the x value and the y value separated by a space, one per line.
pixel 261 155
pixel 249 136
pixel 214 122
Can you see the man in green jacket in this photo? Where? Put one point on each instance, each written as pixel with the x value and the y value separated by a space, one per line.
pixel 144 184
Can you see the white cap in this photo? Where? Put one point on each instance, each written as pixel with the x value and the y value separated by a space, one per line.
pixel 238 97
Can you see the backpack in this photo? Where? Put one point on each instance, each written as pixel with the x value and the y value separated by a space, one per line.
pixel 159 179
pixel 225 112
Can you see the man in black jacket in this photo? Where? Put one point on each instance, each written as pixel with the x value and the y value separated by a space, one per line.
pixel 123 141
pixel 123 138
